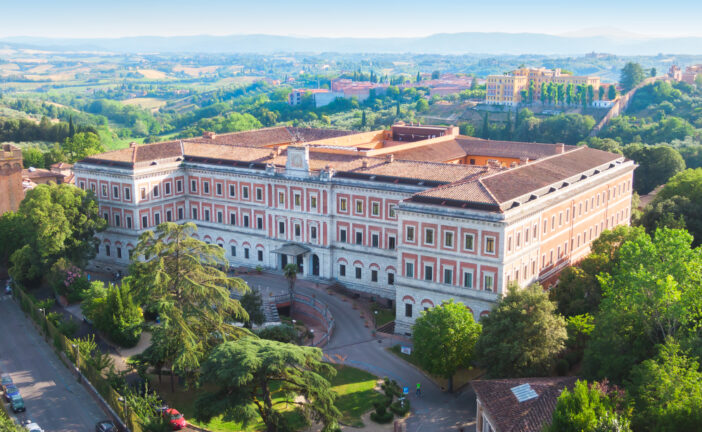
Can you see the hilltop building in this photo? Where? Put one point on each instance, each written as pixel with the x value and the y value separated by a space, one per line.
pixel 11 192
pixel 506 89
pixel 414 214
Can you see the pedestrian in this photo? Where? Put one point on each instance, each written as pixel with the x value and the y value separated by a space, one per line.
pixel 419 389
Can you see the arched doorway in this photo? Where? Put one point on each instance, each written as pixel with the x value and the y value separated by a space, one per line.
pixel 283 261
pixel 315 265
pixel 300 264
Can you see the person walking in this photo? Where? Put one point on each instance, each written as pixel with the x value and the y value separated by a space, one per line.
pixel 419 389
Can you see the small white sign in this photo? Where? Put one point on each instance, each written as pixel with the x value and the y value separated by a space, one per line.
pixel 406 350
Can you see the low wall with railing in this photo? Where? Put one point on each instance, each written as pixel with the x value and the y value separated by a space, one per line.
pixel 313 308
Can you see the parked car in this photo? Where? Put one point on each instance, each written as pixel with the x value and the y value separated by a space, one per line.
pixel 32 427
pixel 5 379
pixel 11 390
pixel 17 403
pixel 174 417
pixel 105 426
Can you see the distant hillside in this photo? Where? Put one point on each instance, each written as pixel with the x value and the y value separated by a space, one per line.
pixel 454 43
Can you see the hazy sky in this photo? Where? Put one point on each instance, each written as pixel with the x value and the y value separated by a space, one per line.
pixel 357 18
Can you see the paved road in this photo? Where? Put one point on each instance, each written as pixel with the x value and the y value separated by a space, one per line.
pixel 53 397
pixel 435 410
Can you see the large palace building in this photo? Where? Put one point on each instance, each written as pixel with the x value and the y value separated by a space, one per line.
pixel 415 214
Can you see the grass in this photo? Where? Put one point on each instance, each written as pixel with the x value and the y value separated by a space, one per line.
pixel 461 378
pixel 354 389
pixel 383 316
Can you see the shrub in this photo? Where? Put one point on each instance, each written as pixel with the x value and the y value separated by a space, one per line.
pixel 381 414
pixel 562 367
pixel 281 333
pixel 400 407
pixel 113 312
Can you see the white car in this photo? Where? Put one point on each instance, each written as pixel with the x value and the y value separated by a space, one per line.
pixel 33 427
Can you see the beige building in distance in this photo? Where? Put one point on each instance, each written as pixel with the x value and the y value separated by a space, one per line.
pixel 506 89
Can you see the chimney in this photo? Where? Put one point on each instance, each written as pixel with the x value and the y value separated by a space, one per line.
pixel 209 135
pixel 272 154
pixel 390 158
pixel 364 164
pixel 560 148
pixel 132 144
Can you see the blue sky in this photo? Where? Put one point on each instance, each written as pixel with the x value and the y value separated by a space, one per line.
pixel 356 18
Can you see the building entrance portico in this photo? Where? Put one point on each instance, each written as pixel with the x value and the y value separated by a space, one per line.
pixel 293 253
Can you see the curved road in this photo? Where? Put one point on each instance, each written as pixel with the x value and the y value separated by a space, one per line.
pixel 433 411
pixel 53 397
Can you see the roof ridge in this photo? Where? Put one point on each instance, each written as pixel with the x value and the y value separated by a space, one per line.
pixel 536 162
pixel 134 154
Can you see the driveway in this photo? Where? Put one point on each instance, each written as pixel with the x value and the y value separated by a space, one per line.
pixel 53 397
pixel 435 410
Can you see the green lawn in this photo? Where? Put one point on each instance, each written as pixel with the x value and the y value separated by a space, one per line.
pixel 383 316
pixel 354 388
pixel 462 377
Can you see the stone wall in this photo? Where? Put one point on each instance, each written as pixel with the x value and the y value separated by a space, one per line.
pixel 11 192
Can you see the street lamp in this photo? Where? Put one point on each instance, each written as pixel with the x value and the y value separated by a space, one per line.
pixel 375 319
pixel 43 312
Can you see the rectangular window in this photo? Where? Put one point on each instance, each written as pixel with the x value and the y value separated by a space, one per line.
pixel 490 245
pixel 281 227
pixel 154 192
pixel 232 191
pixel 358 273
pixel 167 187
pixel 409 269
pixel 297 230
pixel 218 188
pixel 259 255
pixel 342 204
pixel 157 219
pixel 359 238
pixel 169 216
pixel 545 225
pixel 107 250
pixel 144 222
pixel 104 191
pixel 359 207
pixel 391 278
pixel 179 185
pixel 119 252
pixel 298 200
pixel 342 235
pixel 220 217
pixel 127 194
pixel 180 213
pixel 128 219
pixel 375 209
pixel 313 233
pixel 410 234
pixel 488 282
pixel 246 221
pixel 246 253
pixel 448 239
pixel 374 275
pixel 115 192
pixel 233 251
pixel 469 242
pixel 245 192
pixel 391 211
pixel 259 223
pixel 142 193
pixel 342 270
pixel 429 236
pixel 448 276
pixel 232 218
pixel 391 243
pixel 313 202
pixel 193 186
pixel 428 273
pixel 195 213
pixel 408 310
pixel 375 240
pixel 281 198
pixel 82 185
pixel 259 194
pixel 468 280
pixel 118 222
pixel 207 215
pixel 206 187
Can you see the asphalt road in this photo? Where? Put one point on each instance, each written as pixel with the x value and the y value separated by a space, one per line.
pixel 51 394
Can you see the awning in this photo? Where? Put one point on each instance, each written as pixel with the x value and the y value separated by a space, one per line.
pixel 292 249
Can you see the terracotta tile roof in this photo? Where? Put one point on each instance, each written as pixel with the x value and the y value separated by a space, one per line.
pixel 509 415
pixel 439 152
pixel 498 190
pixel 271 136
pixel 509 149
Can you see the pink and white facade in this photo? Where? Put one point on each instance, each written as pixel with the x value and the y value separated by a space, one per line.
pixel 364 211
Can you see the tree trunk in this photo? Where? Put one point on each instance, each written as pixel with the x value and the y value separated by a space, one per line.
pixel 172 381
pixel 450 384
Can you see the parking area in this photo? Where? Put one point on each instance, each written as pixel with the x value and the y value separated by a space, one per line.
pixel 53 397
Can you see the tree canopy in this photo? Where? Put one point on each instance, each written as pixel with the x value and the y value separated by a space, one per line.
pixel 522 335
pixel 178 276
pixel 631 75
pixel 587 408
pixel 254 376
pixel 444 338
